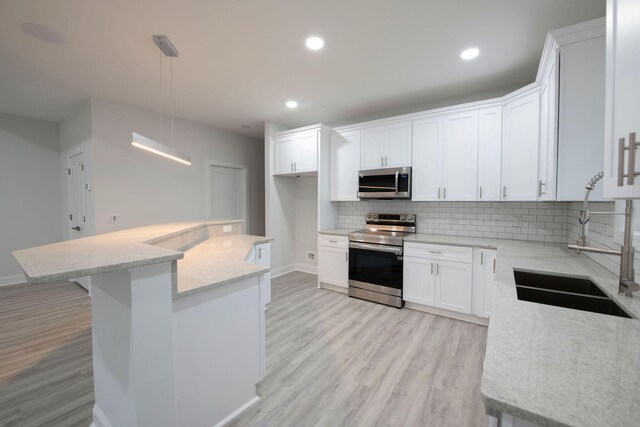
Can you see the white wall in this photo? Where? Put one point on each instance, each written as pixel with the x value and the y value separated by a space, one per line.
pixel 30 204
pixel 279 209
pixel 306 222
pixel 145 188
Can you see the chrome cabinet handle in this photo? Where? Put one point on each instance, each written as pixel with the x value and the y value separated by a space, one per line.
pixel 76 228
pixel 432 269
pixel 621 149
pixel 631 168
pixel 481 258
pixel 504 191
pixel 295 166
pixel 494 266
pixel 540 192
pixel 437 268
pixel 444 193
pixel 481 192
pixel 385 161
pixel 346 256
pixel 381 160
pixel 438 193
pixel 259 253
pixel 333 241
pixel 435 252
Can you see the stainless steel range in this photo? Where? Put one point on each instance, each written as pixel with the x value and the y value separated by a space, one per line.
pixel 375 258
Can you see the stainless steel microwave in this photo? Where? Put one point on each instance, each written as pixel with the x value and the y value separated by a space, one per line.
pixel 388 183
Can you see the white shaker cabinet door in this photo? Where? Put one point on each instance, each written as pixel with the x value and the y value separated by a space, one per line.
pixel 453 286
pixel 484 281
pixel 372 154
pixel 622 99
pixel 333 266
pixel 419 280
pixel 427 164
pixel 285 154
pixel 345 164
pixel 397 145
pixel 460 156
pixel 489 153
pixel 307 152
pixel 520 148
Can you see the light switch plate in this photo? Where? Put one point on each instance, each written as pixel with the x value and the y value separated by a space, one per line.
pixel 114 218
pixel 227 228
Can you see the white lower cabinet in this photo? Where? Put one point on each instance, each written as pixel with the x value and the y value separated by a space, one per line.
pixel 453 286
pixel 484 281
pixel 333 260
pixel 261 254
pixel 454 278
pixel 419 280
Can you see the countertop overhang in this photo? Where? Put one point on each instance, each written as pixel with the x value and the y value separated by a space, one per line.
pixel 203 260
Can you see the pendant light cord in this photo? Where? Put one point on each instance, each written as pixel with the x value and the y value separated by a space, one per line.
pixel 161 104
pixel 171 98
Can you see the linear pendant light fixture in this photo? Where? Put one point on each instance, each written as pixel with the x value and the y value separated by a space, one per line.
pixel 149 144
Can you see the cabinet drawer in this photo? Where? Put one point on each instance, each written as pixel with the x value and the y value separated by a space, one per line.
pixel 439 252
pixel 333 241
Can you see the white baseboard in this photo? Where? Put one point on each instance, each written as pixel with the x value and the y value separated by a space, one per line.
pixel 237 412
pixel 12 280
pixel 334 288
pixel 99 418
pixel 306 268
pixel 447 313
pixel 277 272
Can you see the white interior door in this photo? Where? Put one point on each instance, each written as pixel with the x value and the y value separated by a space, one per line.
pixel 77 188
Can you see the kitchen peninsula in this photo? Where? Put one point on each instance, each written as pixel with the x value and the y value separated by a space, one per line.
pixel 177 318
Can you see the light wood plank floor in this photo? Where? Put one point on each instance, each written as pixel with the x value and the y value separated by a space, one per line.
pixel 331 361
pixel 46 376
pixel 338 361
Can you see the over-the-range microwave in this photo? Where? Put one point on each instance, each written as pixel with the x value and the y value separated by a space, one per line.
pixel 388 183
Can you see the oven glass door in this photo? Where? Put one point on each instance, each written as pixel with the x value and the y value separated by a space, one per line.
pixel 376 267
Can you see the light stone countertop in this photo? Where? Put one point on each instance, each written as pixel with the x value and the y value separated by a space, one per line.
pixel 550 365
pixel 337 232
pixel 217 261
pixel 211 262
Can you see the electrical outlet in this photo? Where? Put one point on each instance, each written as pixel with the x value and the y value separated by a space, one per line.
pixel 114 218
pixel 311 256
pixel 227 228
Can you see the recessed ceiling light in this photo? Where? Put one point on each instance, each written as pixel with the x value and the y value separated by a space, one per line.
pixel 314 43
pixel 469 53
pixel 291 104
pixel 43 33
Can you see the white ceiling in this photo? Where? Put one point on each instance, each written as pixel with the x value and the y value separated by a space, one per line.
pixel 241 60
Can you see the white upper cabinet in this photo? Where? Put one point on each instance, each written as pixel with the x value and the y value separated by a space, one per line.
pixel 581 117
pixel 386 146
pixel 548 132
pixel 397 145
pixel 489 153
pixel 344 165
pixel 622 99
pixel 460 156
pixel 520 148
pixel 285 154
pixel 296 153
pixel 427 137
pixel 372 152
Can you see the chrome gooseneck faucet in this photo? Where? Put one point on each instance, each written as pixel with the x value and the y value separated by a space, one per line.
pixel 627 284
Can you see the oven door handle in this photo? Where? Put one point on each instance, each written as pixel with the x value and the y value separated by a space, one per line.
pixel 397 175
pixel 379 248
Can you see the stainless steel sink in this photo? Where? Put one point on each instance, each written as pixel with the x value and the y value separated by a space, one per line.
pixel 567 292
